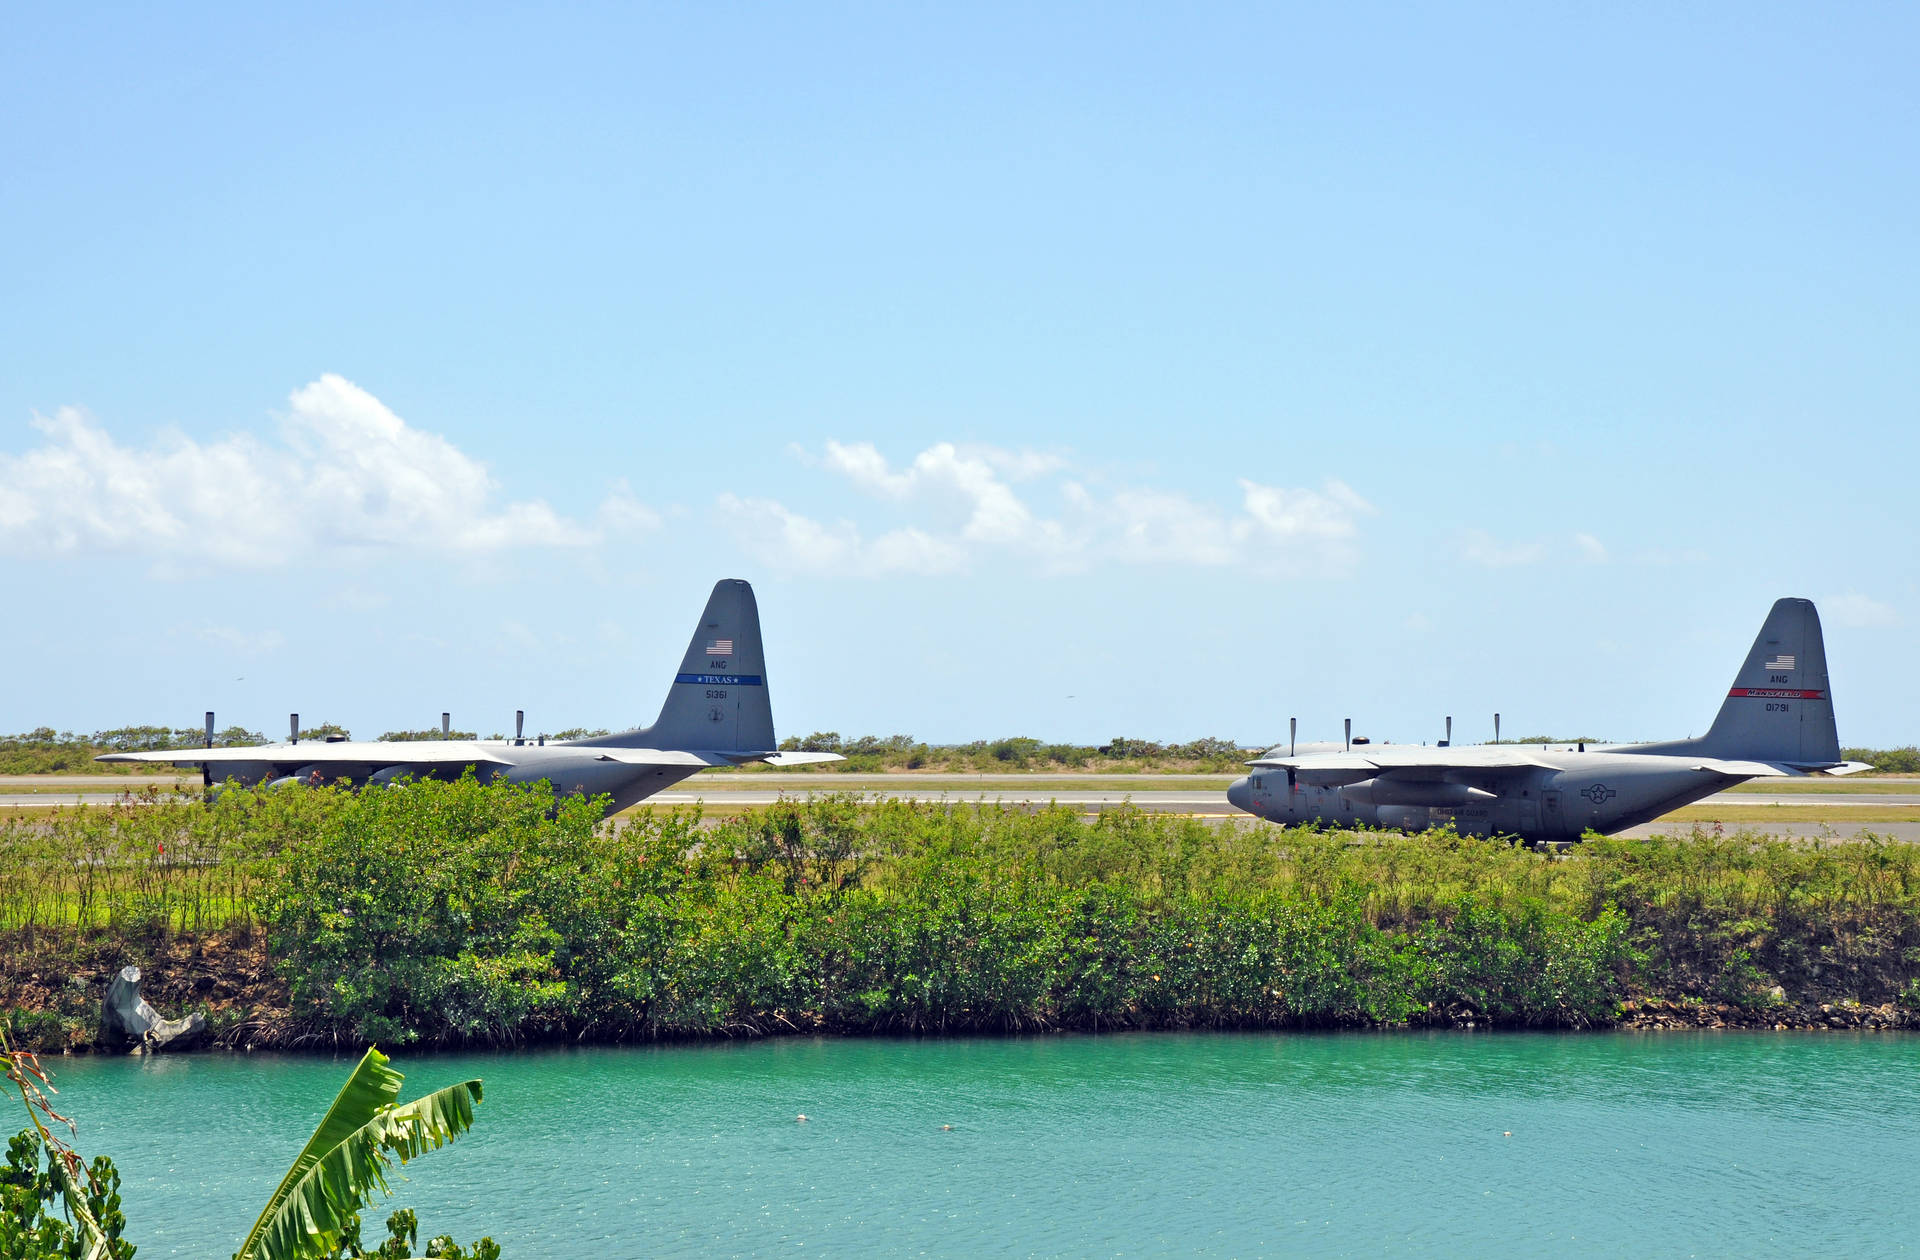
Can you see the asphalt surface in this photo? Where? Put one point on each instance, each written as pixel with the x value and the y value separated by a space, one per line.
pixel 1906 832
pixel 1207 801
pixel 1202 802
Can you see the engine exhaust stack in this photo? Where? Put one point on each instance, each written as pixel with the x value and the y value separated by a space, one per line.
pixel 1293 730
pixel 293 728
pixel 446 726
pixel 1496 728
pixel 1448 741
pixel 519 726
pixel 1349 734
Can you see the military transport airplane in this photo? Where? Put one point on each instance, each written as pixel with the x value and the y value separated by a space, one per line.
pixel 716 714
pixel 1777 720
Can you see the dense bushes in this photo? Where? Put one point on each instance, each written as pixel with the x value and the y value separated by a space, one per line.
pixel 460 913
pixel 463 913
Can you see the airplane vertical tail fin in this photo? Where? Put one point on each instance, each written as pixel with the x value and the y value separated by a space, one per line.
pixel 718 701
pixel 1780 708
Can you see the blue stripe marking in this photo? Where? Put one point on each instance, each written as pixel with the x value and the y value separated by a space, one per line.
pixel 721 680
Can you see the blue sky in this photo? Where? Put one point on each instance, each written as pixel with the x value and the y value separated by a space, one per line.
pixel 1068 371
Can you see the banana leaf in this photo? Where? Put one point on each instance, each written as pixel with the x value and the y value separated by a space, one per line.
pixel 345 1160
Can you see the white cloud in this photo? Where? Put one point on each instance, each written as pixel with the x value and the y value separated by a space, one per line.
pixel 356 599
pixel 345 475
pixel 770 531
pixel 1284 514
pixel 969 480
pixel 1591 548
pixel 970 506
pixel 621 513
pixel 237 642
pixel 1480 547
pixel 1158 527
pixel 1854 611
pixel 1662 558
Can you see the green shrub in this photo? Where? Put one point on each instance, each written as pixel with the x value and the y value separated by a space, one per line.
pixel 36 1216
pixel 455 913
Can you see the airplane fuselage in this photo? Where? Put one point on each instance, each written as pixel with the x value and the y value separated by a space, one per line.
pixel 1572 793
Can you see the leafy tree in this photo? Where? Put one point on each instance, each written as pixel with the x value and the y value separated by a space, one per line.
pixel 88 1222
pixel 1887 760
pixel 314 1214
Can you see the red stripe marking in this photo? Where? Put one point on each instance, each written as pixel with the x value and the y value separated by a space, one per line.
pixel 1776 693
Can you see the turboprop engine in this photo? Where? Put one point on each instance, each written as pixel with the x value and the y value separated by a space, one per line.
pixel 1427 792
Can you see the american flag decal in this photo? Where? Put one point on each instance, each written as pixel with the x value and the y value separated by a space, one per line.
pixel 724 647
pixel 1780 662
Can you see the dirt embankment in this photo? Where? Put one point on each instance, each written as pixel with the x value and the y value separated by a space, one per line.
pixel 51 986
pixel 1660 1013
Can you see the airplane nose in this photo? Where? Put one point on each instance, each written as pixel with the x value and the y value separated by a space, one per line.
pixel 1240 795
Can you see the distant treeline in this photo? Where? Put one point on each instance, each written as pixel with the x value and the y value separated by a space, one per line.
pixel 455 913
pixel 869 753
pixel 1887 760
pixel 47 751
pixel 44 750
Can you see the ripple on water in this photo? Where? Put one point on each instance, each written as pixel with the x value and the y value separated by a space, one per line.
pixel 1230 1144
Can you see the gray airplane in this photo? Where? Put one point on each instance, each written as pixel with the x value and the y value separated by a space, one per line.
pixel 1777 720
pixel 716 714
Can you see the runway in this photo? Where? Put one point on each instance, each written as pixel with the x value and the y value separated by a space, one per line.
pixel 1905 832
pixel 1197 796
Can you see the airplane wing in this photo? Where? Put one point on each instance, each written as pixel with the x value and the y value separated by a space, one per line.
pixel 320 752
pixel 1337 769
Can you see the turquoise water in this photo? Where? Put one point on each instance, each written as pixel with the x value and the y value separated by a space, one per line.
pixel 1706 1144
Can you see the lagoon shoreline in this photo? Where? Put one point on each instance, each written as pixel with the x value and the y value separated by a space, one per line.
pixel 230 978
pixel 462 915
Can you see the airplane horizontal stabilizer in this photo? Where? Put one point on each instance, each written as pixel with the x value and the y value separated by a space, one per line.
pixel 660 757
pixel 677 757
pixel 1743 769
pixel 801 758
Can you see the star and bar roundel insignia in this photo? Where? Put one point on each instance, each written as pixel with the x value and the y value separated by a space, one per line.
pixel 1598 793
